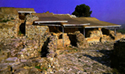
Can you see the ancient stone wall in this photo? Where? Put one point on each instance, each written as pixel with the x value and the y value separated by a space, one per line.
pixel 118 57
pixel 24 9
pixel 103 35
pixel 59 37
pixel 77 39
pixel 8 10
pixel 51 56
pixel 81 41
pixel 30 18
pixel 40 33
pixel 9 29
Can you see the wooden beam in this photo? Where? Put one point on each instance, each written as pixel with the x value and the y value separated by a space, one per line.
pixel 103 26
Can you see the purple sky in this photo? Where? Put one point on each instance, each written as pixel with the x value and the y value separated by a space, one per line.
pixel 106 10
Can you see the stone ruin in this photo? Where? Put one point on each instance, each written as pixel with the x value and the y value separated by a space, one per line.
pixel 23 51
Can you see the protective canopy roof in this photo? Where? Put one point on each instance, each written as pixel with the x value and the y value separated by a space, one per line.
pixel 68 20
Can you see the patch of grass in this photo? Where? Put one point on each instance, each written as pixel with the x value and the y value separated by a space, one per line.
pixel 38 67
pixel 5 20
pixel 79 56
pixel 44 68
pixel 121 31
pixel 75 49
pixel 85 71
pixel 70 46
pixel 61 53
pixel 0 19
pixel 115 71
pixel 39 51
pixel 20 33
pixel 12 18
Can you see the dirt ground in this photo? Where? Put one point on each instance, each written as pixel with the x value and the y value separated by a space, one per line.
pixel 93 60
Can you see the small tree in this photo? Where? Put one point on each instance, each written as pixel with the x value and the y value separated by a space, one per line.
pixel 82 11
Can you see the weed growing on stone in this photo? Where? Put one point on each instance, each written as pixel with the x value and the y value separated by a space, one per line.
pixel 39 51
pixel 70 46
pixel 20 33
pixel 5 20
pixel 38 67
pixel 79 56
pixel 75 49
pixel 61 53
pixel 12 18
pixel 44 68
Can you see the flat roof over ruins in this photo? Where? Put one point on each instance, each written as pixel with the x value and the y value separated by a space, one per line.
pixel 63 19
pixel 69 20
pixel 25 10
pixel 95 23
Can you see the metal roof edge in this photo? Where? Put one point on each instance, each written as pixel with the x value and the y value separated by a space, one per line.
pixel 50 21
pixel 102 26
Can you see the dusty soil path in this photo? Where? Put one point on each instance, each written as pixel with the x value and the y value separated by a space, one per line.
pixel 92 60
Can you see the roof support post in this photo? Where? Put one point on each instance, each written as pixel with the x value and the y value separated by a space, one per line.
pixel 84 31
pixel 30 13
pixel 63 35
pixel 115 31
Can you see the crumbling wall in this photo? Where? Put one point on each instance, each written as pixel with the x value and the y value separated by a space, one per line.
pixel 9 23
pixel 40 33
pixel 8 10
pixel 52 55
pixel 9 29
pixel 78 39
pixel 59 37
pixel 6 32
pixel 103 35
pixel 24 9
pixel 81 41
pixel 30 18
pixel 93 36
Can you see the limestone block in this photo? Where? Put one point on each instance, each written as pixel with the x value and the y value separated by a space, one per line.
pixel 81 41
pixel 92 40
pixel 60 40
pixel 12 59
pixel 94 33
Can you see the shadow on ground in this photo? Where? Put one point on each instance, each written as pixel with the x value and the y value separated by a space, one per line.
pixel 105 59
